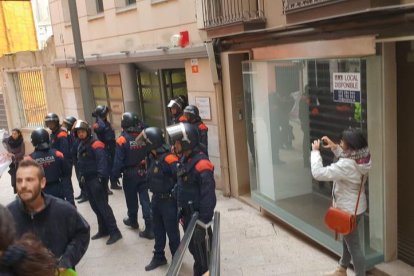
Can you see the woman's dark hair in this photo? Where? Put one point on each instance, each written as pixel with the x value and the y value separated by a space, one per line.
pixel 354 138
pixel 23 257
pixel 18 131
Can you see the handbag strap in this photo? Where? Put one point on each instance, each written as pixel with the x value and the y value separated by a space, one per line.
pixel 359 195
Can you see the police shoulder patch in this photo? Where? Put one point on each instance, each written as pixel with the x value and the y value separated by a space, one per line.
pixel 182 119
pixel 204 165
pixel 121 140
pixel 202 126
pixel 170 158
pixel 59 154
pixel 98 145
pixel 62 134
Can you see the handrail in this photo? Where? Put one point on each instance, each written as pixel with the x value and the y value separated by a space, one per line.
pixel 177 260
pixel 214 266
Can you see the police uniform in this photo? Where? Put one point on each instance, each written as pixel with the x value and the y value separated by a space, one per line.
pixel 55 168
pixel 60 141
pixel 161 181
pixel 196 185
pixel 195 190
pixel 93 171
pixel 130 160
pixel 106 135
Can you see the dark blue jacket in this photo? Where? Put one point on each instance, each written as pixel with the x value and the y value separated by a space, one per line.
pixel 129 157
pixel 59 140
pixel 196 183
pixel 59 226
pixel 162 171
pixel 92 159
pixel 104 132
pixel 53 163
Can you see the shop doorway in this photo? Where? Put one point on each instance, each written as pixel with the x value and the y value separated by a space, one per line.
pixel 155 89
pixel 405 150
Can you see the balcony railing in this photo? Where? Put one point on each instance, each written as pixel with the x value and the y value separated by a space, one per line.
pixel 218 13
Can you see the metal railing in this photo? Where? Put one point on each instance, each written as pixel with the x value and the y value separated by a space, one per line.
pixel 223 12
pixel 213 252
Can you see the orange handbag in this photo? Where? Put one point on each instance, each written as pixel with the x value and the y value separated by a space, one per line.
pixel 340 221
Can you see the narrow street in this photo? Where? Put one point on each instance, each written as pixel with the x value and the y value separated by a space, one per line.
pixel 250 244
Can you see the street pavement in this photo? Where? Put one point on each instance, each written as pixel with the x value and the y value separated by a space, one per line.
pixel 251 244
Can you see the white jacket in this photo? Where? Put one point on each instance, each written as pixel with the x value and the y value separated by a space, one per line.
pixel 346 174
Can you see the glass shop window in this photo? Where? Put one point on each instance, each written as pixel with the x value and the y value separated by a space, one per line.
pixel 289 104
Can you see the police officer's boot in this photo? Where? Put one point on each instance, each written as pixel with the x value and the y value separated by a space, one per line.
pixel 115 185
pixel 148 233
pixel 155 262
pixel 131 223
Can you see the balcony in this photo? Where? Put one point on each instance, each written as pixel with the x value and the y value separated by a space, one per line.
pixel 227 17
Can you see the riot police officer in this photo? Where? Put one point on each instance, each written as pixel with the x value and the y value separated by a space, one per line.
pixel 59 140
pixel 74 141
pixel 161 177
pixel 195 189
pixel 176 107
pixel 192 114
pixel 93 171
pixel 53 163
pixel 106 135
pixel 130 161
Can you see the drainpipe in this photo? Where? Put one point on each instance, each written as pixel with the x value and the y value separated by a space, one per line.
pixel 224 158
pixel 87 98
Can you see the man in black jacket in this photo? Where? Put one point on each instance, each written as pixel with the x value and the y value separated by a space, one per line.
pixel 55 222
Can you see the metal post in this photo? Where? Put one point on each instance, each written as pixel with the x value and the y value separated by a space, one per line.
pixel 87 97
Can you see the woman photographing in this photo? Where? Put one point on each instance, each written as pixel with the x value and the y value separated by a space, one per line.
pixel 354 162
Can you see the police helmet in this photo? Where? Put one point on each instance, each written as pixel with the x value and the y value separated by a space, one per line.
pixel 130 122
pixel 178 102
pixel 191 111
pixel 151 137
pixel 80 124
pixel 52 121
pixel 69 121
pixel 40 138
pixel 184 132
pixel 100 111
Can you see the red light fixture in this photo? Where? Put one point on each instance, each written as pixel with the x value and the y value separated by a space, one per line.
pixel 184 39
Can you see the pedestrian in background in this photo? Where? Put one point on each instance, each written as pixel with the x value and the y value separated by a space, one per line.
pixel 195 190
pixel 354 163
pixel 94 174
pixel 25 256
pixel 130 161
pixel 161 178
pixel 53 221
pixel 15 147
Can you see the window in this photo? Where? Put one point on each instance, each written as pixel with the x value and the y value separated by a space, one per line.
pixel 65 10
pixel 120 4
pixel 94 7
pixel 107 91
pixel 288 105
pixel 99 6
pixel 31 97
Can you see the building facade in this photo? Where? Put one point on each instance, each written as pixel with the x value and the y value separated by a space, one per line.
pixel 293 71
pixel 139 55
